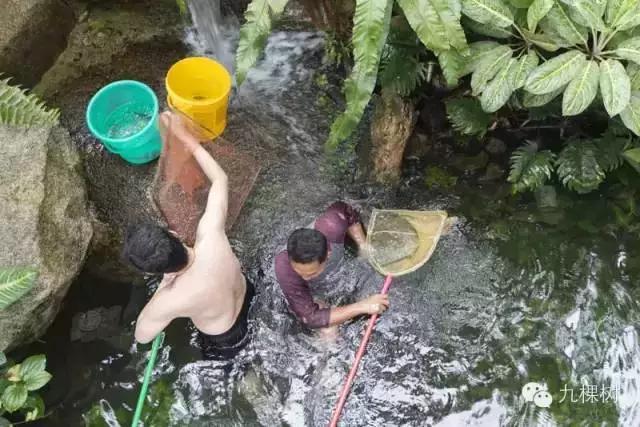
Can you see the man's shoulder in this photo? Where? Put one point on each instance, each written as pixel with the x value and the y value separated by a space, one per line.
pixel 285 274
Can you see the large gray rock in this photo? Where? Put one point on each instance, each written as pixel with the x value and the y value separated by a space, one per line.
pixel 32 35
pixel 44 223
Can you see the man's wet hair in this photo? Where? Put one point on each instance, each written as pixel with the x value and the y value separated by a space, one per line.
pixel 153 249
pixel 306 245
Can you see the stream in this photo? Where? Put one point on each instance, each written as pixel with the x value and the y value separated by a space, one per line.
pixel 510 296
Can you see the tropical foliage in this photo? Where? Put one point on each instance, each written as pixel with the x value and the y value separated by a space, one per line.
pixel 580 166
pixel 517 53
pixel 380 43
pixel 23 110
pixel 18 383
pixel 542 49
pixel 14 283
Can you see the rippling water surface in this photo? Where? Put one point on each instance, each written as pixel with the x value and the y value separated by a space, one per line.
pixel 506 299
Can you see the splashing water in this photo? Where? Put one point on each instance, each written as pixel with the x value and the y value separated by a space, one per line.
pixel 128 120
pixel 503 301
pixel 214 34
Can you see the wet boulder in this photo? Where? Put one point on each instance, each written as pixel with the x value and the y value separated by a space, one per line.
pixel 44 223
pixel 32 35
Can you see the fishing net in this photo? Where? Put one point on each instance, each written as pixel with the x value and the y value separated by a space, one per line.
pixel 181 188
pixel 401 241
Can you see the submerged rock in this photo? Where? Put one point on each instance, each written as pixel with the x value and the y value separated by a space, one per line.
pixel 32 35
pixel 45 223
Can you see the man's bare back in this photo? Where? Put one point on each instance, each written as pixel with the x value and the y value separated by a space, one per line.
pixel 207 286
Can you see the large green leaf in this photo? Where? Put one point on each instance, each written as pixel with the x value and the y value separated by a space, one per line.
pixel 488 66
pixel 23 110
pixel 521 4
pixel 452 65
pixel 530 168
pixel 488 30
pixel 558 21
pixel 467 117
pixel 532 101
pixel 14 397
pixel 499 89
pixel 588 13
pixel 436 24
pixel 526 64
pixel 631 115
pixel 629 49
pixel 632 157
pixel 582 90
pixel 633 71
pixel 259 18
pixel 14 283
pixel 478 50
pixel 33 365
pixel 537 11
pixel 628 19
pixel 370 28
pixel 578 167
pixel 493 12
pixel 619 11
pixel 555 73
pixel 543 41
pixel 37 381
pixel 615 86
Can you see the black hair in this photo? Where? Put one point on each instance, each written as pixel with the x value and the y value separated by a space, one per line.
pixel 153 249
pixel 306 245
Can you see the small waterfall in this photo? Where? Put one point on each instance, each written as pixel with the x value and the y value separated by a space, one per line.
pixel 215 33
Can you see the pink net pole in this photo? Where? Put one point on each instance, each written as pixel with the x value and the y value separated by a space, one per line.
pixel 354 368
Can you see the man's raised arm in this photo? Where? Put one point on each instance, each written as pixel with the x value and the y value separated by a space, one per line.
pixel 215 214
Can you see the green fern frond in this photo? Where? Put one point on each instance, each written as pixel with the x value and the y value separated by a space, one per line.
pixel 14 283
pixel 467 117
pixel 370 30
pixel 610 149
pixel 578 166
pixel 259 18
pixel 21 109
pixel 530 168
pixel 401 70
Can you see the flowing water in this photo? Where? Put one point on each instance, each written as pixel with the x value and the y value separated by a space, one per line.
pixel 512 295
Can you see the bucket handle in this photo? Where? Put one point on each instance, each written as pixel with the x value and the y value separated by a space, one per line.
pixel 204 130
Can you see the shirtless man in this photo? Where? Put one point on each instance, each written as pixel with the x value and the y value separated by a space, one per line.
pixel 311 254
pixel 204 283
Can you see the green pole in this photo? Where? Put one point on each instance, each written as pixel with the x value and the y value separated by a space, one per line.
pixel 157 343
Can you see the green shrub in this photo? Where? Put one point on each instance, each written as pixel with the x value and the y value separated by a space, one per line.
pixel 586 49
pixel 18 382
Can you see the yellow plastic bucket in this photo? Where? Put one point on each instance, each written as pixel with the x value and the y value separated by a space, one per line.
pixel 199 88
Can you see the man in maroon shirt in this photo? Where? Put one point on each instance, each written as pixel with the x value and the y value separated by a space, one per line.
pixel 311 254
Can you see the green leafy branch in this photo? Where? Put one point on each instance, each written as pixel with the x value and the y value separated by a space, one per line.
pixel 584 45
pixel 17 384
pixel 23 110
pixel 581 165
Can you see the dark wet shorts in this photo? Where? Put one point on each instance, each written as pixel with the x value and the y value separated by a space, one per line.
pixel 227 345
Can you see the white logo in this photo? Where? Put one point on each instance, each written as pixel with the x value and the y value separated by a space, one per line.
pixel 538 394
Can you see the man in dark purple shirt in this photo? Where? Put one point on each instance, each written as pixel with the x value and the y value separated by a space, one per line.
pixel 312 253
